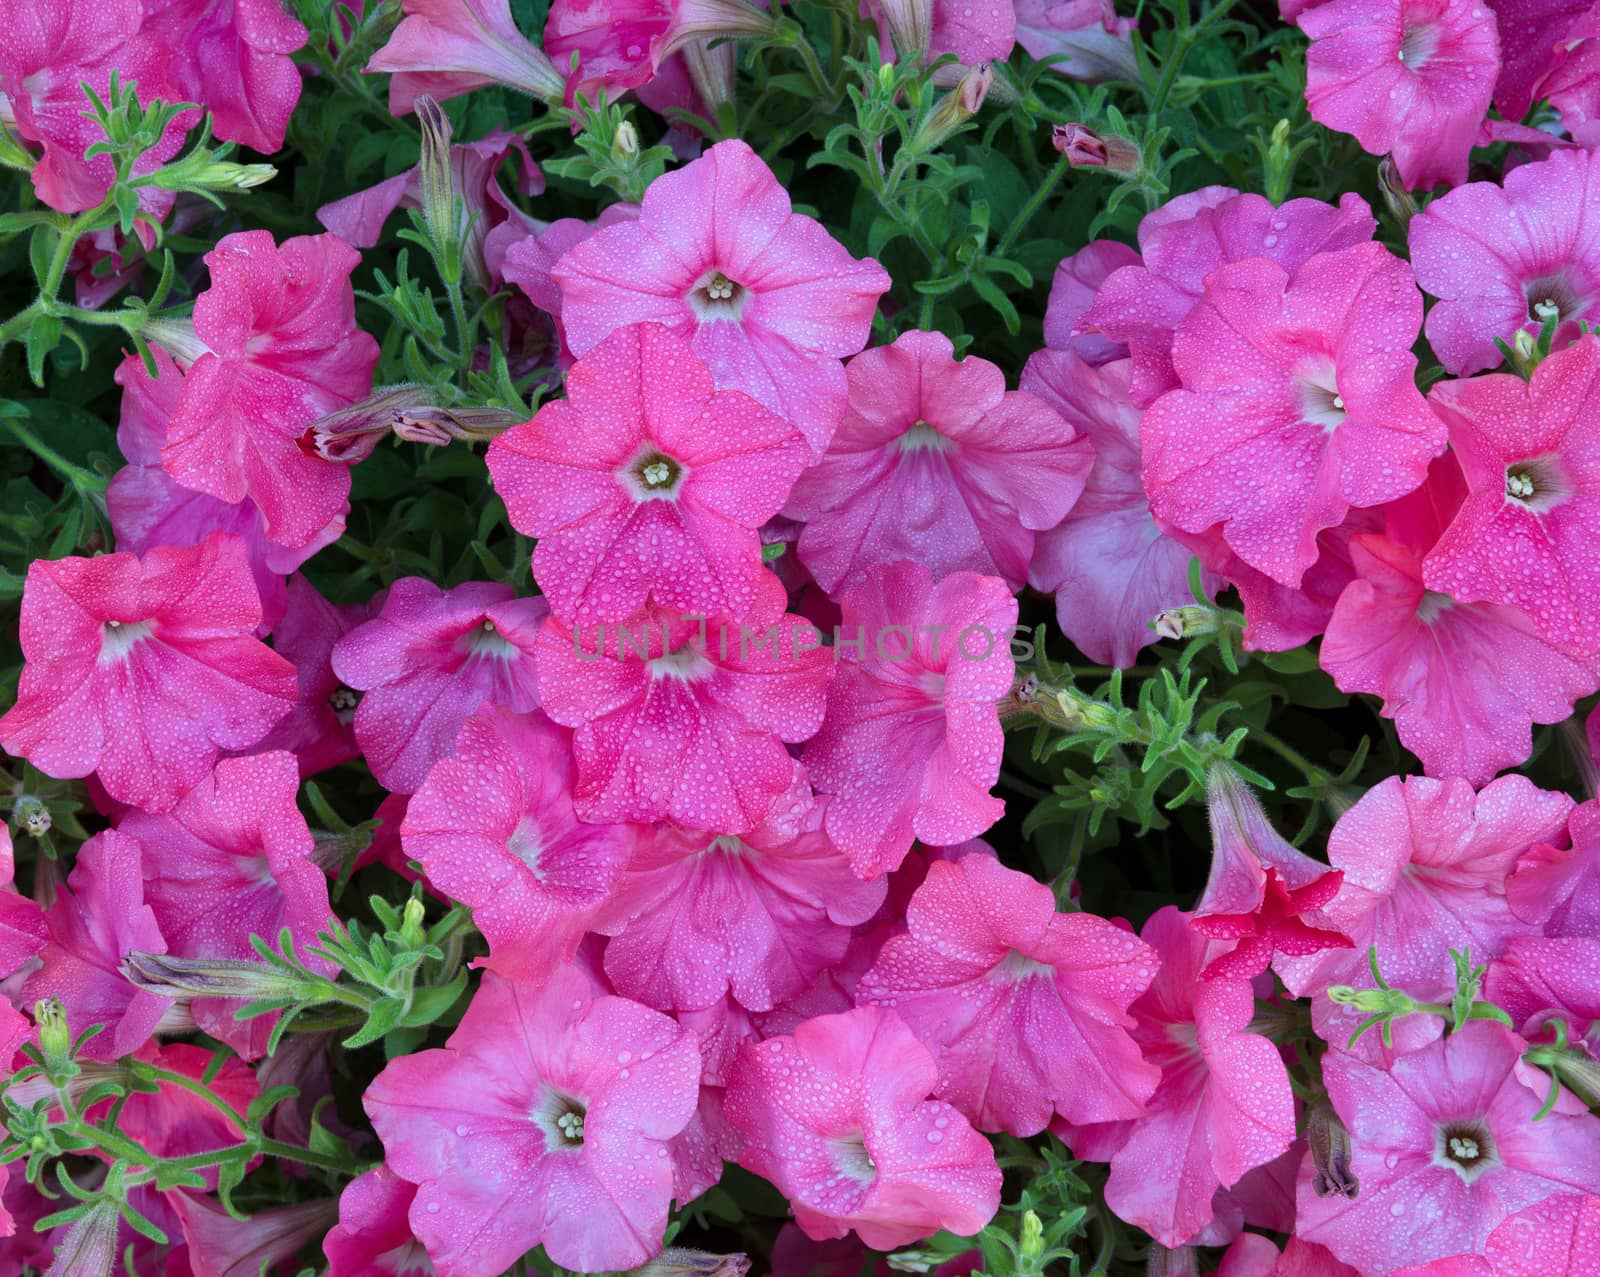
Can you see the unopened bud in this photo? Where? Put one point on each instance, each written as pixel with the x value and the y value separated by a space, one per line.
pixel 1030 1240
pixel 717 19
pixel 1572 1066
pixel 1329 1142
pixel 90 1246
pixel 625 141
pixel 910 25
pixel 55 1038
pixel 679 1261
pixel 1399 200
pixel 1385 1002
pixel 955 108
pixel 440 208
pixel 33 815
pixel 13 154
pixel 169 976
pixel 1188 621
pixel 1084 148
pixel 1279 166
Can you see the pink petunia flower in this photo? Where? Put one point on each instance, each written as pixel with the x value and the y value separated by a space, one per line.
pixel 772 301
pixel 1260 888
pixel 1464 682
pixel 1445 1147
pixel 1298 402
pixel 220 1245
pixel 318 731
pixel 51 49
pixel 528 260
pixel 94 924
pixel 444 48
pixel 1082 39
pixel 1224 1105
pixel 373 1237
pixel 1534 37
pixel 684 719
pixel 1025 1008
pixel 484 206
pixel 141 670
pixel 1556 888
pixel 1072 292
pixel 493 826
pixel 1110 566
pixel 1186 239
pixel 838 1117
pixel 1425 863
pixel 232 57
pixel 233 860
pixel 281 348
pixel 1524 532
pixel 1501 259
pixel 612 40
pixel 646 485
pixel 696 918
pixel 426 661
pixel 1540 979
pixel 543 1121
pixel 911 744
pixel 23 934
pixel 1407 78
pixel 935 461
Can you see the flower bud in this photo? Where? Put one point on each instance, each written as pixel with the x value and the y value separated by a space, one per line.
pixel 1329 1142
pixel 1399 200
pixel 184 978
pixel 678 1261
pixel 1084 148
pixel 440 208
pixel 1030 1241
pixel 711 20
pixel 955 108
pixel 13 154
pixel 90 1246
pixel 910 25
pixel 625 141
pixel 55 1038
pixel 33 815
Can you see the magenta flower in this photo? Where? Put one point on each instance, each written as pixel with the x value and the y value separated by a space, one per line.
pixel 23 932
pixel 528 260
pixel 1186 239
pixel 838 1117
pixel 612 38
pixel 1298 402
pixel 1501 259
pixel 426 661
pixel 1224 1105
pixel 1082 39
pixel 911 744
pixel 1260 888
pixel 698 918
pixel 1538 41
pixel 1072 291
pixel 1539 979
pixel 485 208
pixel 937 462
pixel 1111 568
pixel 1556 888
pixel 1407 78
pixel 233 860
pixel 232 57
pixel 1445 1146
pixel 543 1121
pixel 282 349
pixel 142 670
pixel 220 1245
pixel 772 301
pixel 494 827
pixel 1464 682
pixel 685 720
pixel 444 48
pixel 646 485
pixel 52 48
pixel 94 924
pixel 1425 863
pixel 318 730
pixel 1025 1008
pixel 1524 532
pixel 373 1237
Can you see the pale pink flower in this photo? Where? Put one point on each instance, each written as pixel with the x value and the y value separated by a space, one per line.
pixel 1407 78
pixel 1464 682
pixel 911 745
pixel 221 1246
pixel 142 670
pixel 1110 566
pixel 493 827
pixel 1556 888
pixel 544 1121
pixel 772 301
pixel 646 485
pixel 685 720
pixel 838 1118
pixel 232 57
pixel 233 860
pixel 1525 530
pixel 1445 1147
pixel 1425 863
pixel 1072 291
pixel 1026 1008
pixel 95 922
pixel 1501 259
pixel 373 1237
pixel 1082 39
pixel 1186 239
pixel 1298 402
pixel 282 349
pixel 935 461
pixel 443 48
pixel 426 661
pixel 1224 1105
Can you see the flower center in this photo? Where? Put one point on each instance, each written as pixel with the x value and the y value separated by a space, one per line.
pixel 1465 1147
pixel 343 701
pixel 561 1119
pixel 653 476
pixel 118 638
pixel 922 438
pixel 717 296
pixel 1418 45
pixel 1553 297
pixel 686 665
pixel 525 844
pixel 1321 404
pixel 851 1158
pixel 485 639
pixel 1537 483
